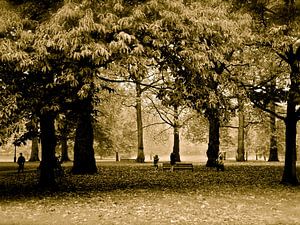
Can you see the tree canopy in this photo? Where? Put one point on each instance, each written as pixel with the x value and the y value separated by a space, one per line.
pixel 61 56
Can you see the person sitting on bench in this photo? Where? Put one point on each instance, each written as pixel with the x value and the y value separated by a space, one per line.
pixel 219 162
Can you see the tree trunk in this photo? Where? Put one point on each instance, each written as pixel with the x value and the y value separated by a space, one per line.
pixel 176 144
pixel 241 134
pixel 64 148
pixel 84 157
pixel 273 155
pixel 48 141
pixel 64 141
pixel 290 173
pixel 140 155
pixel 214 139
pixel 34 155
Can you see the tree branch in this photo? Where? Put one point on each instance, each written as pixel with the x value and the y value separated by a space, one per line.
pixel 163 118
pixel 153 124
pixel 268 110
pixel 130 81
pixel 228 126
pixel 251 123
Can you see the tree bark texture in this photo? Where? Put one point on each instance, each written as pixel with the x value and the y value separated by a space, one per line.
pixel 214 139
pixel 273 155
pixel 34 155
pixel 64 143
pixel 241 134
pixel 140 155
pixel 84 157
pixel 48 141
pixel 176 144
pixel 290 173
pixel 64 149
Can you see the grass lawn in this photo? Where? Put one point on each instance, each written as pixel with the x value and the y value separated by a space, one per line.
pixel 130 193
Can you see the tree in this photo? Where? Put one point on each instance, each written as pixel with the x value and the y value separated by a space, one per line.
pixel 241 133
pixel 65 131
pixel 277 41
pixel 33 127
pixel 87 47
pixel 142 84
pixel 199 61
pixel 273 154
pixel 84 159
pixel 31 93
pixel 115 126
pixel 174 115
pixel 140 155
pixel 292 58
pixel 262 93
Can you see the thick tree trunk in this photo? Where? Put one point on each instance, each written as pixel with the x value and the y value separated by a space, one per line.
pixel 140 155
pixel 84 158
pixel 290 173
pixel 48 141
pixel 34 155
pixel 176 144
pixel 241 134
pixel 273 155
pixel 214 140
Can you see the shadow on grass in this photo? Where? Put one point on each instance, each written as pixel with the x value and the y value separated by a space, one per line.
pixel 120 176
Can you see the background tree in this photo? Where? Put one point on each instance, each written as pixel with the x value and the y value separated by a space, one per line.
pixel 173 114
pixel 241 133
pixel 273 153
pixel 277 32
pixel 33 127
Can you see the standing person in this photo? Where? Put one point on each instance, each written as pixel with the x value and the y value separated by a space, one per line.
pixel 21 162
pixel 155 162
pixel 172 160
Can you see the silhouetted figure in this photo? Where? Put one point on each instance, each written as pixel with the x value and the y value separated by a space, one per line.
pixel 220 163
pixel 21 162
pixel 155 162
pixel 172 160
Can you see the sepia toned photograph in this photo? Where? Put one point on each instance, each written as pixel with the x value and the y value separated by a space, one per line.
pixel 149 112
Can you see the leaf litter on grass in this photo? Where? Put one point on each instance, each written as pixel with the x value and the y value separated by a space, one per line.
pixel 137 194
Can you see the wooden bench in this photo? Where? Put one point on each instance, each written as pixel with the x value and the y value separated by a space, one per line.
pixel 128 160
pixel 178 166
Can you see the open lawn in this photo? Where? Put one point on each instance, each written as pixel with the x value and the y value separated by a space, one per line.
pixel 130 193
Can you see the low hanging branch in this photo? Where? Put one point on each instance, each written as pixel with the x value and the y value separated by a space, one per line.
pixel 262 107
pixel 147 86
